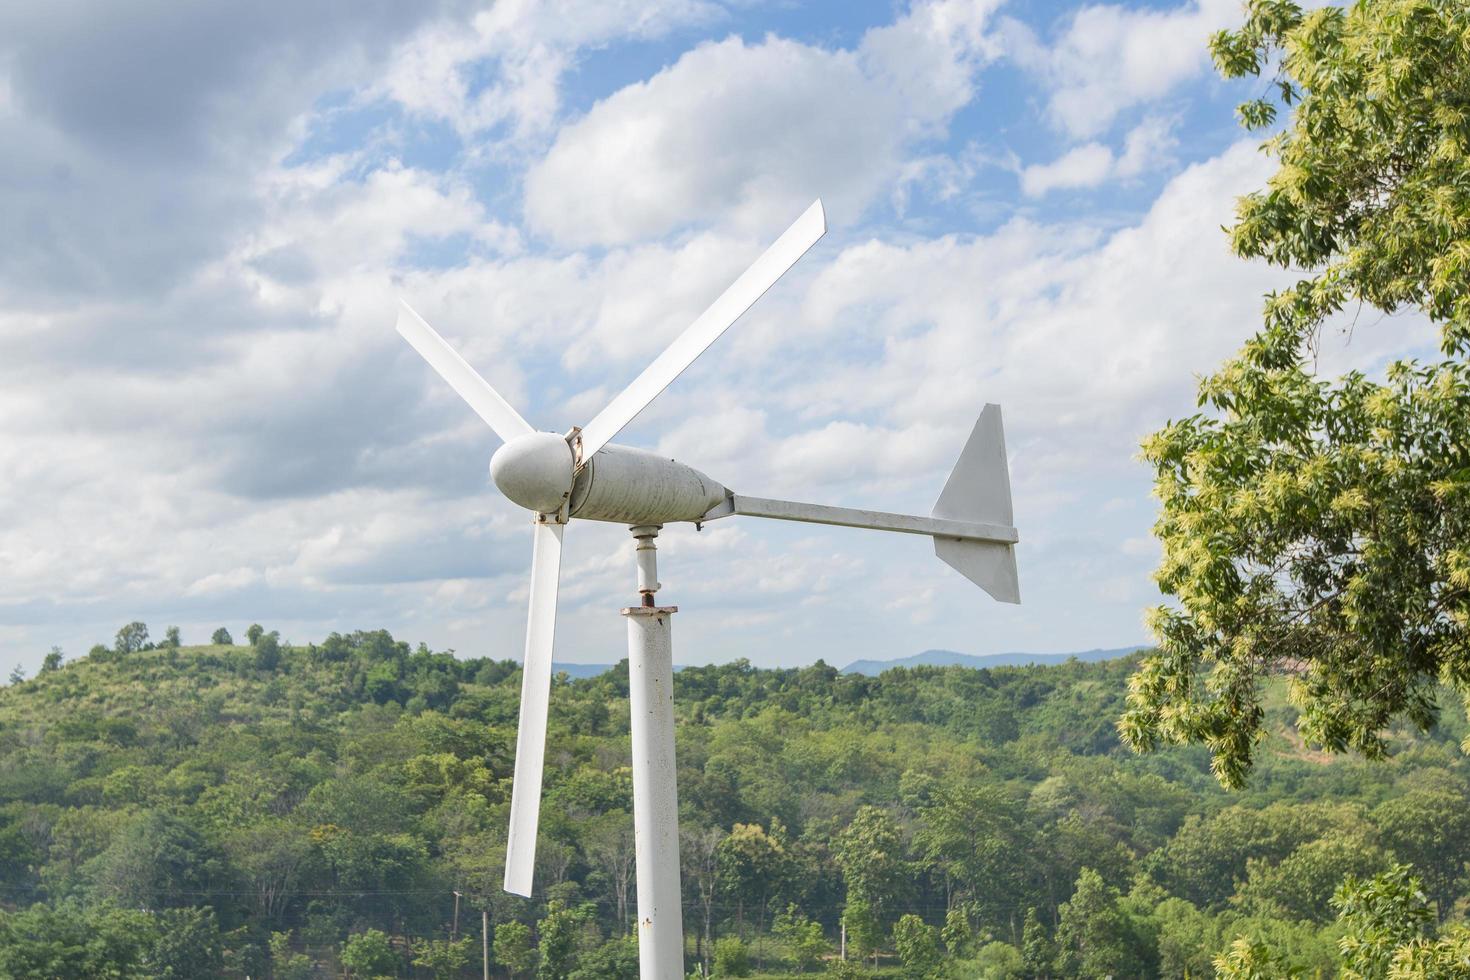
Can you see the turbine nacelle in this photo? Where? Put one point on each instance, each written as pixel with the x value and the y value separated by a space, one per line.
pixel 535 470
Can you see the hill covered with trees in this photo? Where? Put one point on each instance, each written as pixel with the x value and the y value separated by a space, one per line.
pixel 270 810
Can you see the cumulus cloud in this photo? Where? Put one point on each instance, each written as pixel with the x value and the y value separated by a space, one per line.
pixel 134 132
pixel 1081 166
pixel 1147 147
pixel 1110 58
pixel 524 47
pixel 750 133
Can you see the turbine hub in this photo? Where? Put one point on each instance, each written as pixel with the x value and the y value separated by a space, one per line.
pixel 535 471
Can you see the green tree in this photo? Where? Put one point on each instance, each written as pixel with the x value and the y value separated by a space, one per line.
pixel 870 853
pixel 844 970
pixel 1302 884
pixel 130 638
pixel 157 859
pixel 616 959
pixel 999 961
pixel 267 651
pixel 732 957
pixel 367 955
pixel 699 852
pixel 188 945
pixel 1382 914
pixel 442 957
pixel 1188 939
pixel 864 931
pixel 753 866
pixel 973 834
pixel 286 964
pixel 253 633
pixel 917 944
pixel 221 637
pixel 1248 959
pixel 17 674
pixel 802 938
pixel 1430 829
pixel 1094 936
pixel 513 949
pixel 1037 951
pixel 958 934
pixel 1323 527
pixel 52 661
pixel 68 941
pixel 1385 924
pixel 172 638
pixel 557 948
pixel 270 856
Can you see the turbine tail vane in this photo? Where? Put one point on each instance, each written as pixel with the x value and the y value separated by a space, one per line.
pixel 979 490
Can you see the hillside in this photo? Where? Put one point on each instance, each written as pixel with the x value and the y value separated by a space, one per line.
pixel 950 658
pixel 227 811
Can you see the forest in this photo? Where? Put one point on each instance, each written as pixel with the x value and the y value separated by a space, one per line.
pixel 338 809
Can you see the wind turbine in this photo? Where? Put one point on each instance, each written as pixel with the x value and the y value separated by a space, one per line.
pixel 583 475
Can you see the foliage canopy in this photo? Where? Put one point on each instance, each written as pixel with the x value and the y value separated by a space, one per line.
pixel 1322 528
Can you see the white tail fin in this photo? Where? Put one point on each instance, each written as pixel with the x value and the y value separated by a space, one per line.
pixel 979 490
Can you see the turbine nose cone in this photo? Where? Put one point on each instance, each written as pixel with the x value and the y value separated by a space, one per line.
pixel 534 470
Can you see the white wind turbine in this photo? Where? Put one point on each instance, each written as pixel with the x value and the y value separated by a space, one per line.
pixel 582 475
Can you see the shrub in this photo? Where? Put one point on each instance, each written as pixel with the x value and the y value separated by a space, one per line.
pixel 368 954
pixel 732 958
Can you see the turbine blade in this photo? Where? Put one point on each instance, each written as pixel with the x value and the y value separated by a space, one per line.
pixel 751 286
pixel 475 390
pixel 525 795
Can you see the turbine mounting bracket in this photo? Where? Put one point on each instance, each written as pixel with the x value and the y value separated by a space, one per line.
pixel 574 439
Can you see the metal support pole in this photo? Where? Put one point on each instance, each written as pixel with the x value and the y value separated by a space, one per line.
pixel 655 794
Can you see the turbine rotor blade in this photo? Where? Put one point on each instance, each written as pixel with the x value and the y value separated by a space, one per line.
pixel 751 286
pixel 525 796
pixel 468 384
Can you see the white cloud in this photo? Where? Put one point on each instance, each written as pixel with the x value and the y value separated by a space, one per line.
pixel 1146 147
pixel 1083 166
pixel 751 133
pixel 525 46
pixel 1111 58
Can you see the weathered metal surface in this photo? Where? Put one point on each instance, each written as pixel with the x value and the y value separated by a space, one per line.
pixel 646 555
pixel 633 486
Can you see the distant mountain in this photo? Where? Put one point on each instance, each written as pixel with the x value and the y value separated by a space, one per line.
pixel 949 658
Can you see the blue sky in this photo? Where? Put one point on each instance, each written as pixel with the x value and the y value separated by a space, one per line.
pixel 206 418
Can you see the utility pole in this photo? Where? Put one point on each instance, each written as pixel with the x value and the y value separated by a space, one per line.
pixel 485 940
pixel 454 929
